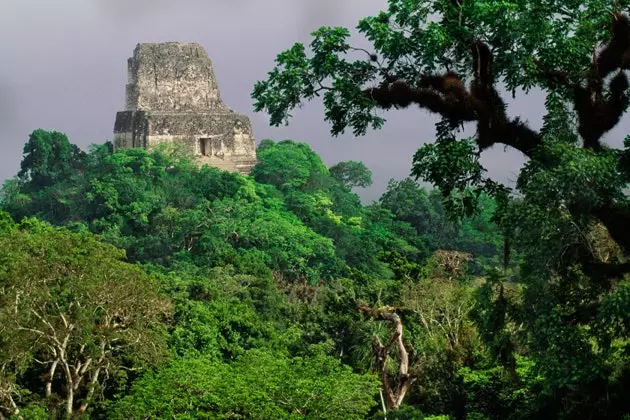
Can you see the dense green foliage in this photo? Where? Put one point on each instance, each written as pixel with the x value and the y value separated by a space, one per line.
pixel 553 320
pixel 259 279
pixel 72 315
pixel 257 385
pixel 136 284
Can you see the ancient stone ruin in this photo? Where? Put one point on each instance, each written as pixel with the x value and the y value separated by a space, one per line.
pixel 172 96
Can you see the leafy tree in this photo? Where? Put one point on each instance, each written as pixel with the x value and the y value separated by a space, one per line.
pixel 258 385
pixel 220 314
pixel 411 203
pixel 52 173
pixel 523 49
pixel 287 164
pixel 73 314
pixel 425 211
pixel 123 191
pixel 489 393
pixel 352 174
pixel 49 157
pixel 573 189
pixel 421 367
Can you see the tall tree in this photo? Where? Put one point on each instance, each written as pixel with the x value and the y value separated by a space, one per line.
pixel 49 157
pixel 352 174
pixel 522 44
pixel 72 313
pixel 287 164
pixel 450 57
pixel 257 385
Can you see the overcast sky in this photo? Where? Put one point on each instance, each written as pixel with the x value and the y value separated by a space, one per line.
pixel 63 67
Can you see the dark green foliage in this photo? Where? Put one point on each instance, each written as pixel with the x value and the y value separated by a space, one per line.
pixel 553 346
pixel 49 158
pixel 352 174
pixel 404 413
pixel 433 222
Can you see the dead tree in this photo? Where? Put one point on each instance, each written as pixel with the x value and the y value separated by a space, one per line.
pixel 396 387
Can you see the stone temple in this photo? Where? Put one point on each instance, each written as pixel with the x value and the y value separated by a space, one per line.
pixel 172 96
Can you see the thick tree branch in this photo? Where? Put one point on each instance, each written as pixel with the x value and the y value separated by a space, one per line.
pixel 447 95
pixel 597 113
pixel 616 218
pixel 606 271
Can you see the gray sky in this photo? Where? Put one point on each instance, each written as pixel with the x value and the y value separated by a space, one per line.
pixel 63 68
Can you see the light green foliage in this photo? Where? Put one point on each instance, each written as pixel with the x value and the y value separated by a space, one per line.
pixel 257 385
pixel 220 314
pixel 73 312
pixel 287 164
pixel 231 225
pixel 124 192
pixel 322 201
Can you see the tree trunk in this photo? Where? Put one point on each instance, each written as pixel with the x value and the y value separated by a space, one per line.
pixel 69 401
pixel 69 386
pixel 394 393
pixel 92 385
pixel 51 375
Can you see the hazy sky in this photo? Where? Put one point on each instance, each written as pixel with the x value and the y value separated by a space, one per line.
pixel 63 67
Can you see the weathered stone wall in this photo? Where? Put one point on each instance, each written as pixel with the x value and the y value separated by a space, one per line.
pixel 172 96
pixel 172 77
